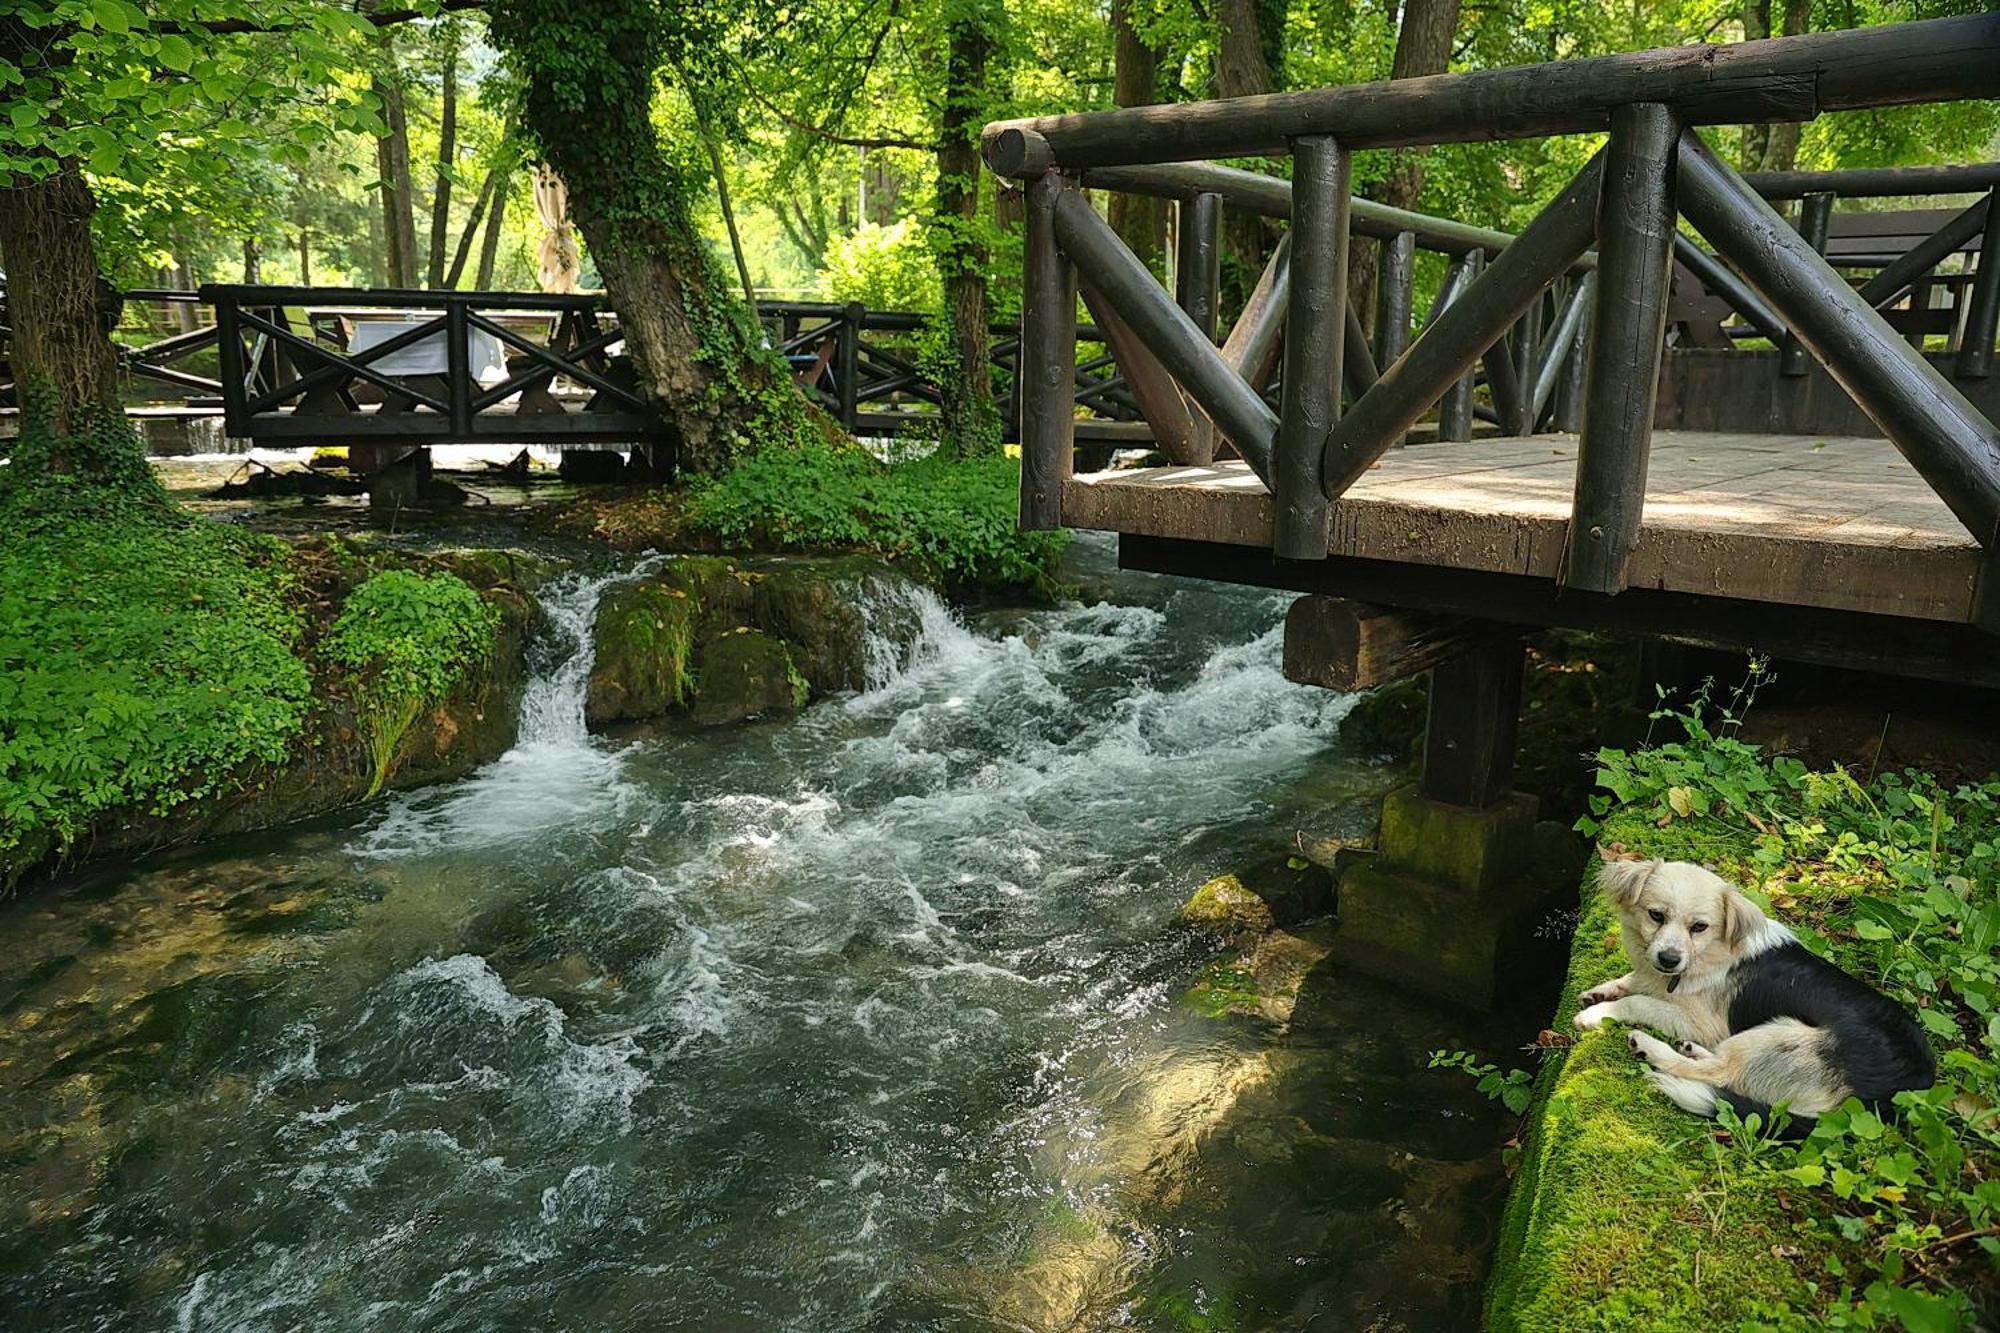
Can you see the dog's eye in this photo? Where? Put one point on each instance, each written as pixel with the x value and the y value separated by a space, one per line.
pixel 1659 917
pixel 1697 927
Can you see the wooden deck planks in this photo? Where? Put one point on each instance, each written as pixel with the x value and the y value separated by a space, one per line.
pixel 1842 523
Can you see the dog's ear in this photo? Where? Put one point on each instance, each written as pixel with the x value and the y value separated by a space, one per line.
pixel 1740 916
pixel 1623 881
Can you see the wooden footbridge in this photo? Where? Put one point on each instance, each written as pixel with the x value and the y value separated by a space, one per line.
pixel 1834 496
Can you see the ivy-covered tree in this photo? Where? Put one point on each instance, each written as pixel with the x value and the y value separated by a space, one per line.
pixel 588 76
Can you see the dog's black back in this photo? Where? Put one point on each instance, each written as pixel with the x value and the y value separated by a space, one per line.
pixel 1875 1043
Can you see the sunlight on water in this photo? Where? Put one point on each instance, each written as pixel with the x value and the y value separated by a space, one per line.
pixel 864 1020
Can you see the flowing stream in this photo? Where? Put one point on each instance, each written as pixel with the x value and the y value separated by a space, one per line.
pixel 869 1019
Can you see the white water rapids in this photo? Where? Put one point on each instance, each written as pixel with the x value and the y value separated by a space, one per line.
pixel 861 1020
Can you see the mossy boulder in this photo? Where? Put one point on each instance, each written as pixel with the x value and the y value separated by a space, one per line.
pixel 667 643
pixel 744 674
pixel 1280 891
pixel 829 611
pixel 645 652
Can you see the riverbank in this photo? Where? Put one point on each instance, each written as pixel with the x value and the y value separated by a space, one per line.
pixel 168 677
pixel 1626 1212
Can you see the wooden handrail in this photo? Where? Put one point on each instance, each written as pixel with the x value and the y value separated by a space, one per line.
pixel 1776 79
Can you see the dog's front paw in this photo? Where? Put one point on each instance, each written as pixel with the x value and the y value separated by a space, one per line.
pixel 1610 990
pixel 1592 1018
pixel 1648 1048
pixel 1694 1050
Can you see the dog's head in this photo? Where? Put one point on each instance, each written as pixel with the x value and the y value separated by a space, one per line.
pixel 1680 920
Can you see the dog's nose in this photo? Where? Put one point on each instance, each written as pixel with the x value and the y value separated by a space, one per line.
pixel 1668 958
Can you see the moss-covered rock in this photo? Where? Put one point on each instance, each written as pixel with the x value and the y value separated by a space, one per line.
pixel 827 618
pixel 645 652
pixel 1282 890
pixel 744 674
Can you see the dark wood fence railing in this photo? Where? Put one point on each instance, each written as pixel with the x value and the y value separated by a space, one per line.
pixel 1607 242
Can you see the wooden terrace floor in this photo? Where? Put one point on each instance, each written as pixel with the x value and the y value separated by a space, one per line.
pixel 1836 522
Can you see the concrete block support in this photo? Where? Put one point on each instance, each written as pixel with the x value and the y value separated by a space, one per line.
pixel 1452 904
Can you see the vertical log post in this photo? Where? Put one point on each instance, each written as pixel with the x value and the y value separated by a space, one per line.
pixel 1315 331
pixel 1569 392
pixel 1635 236
pixel 1475 709
pixel 1504 383
pixel 1562 344
pixel 1455 409
pixel 847 351
pixel 1198 260
pixel 1527 357
pixel 1048 362
pixel 1392 305
pixel 1982 316
pixel 1198 278
pixel 1815 212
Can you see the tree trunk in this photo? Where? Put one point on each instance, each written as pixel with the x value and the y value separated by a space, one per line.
pixel 1781 142
pixel 447 155
pixel 1140 221
pixel 696 352
pixel 305 257
pixel 489 249
pixel 1423 46
pixel 392 159
pixel 970 421
pixel 65 372
pixel 1756 138
pixel 1242 69
pixel 471 232
pixel 253 261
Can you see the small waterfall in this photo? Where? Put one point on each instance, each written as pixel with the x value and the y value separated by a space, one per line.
pixel 907 625
pixel 552 704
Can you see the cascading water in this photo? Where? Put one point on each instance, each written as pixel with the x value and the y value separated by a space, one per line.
pixel 864 1020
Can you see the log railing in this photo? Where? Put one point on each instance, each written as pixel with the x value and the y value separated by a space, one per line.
pixel 1606 243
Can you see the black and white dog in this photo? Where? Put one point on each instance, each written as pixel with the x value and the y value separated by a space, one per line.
pixel 1758 1018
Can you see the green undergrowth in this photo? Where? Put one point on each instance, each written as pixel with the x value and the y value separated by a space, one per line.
pixel 1627 1213
pixel 952 520
pixel 144 654
pixel 404 641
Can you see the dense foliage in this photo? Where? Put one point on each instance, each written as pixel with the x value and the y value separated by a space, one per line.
pixel 405 640
pixel 145 656
pixel 1870 1222
pixel 953 519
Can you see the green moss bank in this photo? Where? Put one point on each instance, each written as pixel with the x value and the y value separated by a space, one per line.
pixel 165 679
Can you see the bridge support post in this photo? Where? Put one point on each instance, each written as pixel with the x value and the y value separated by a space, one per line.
pixel 399 483
pixel 1635 236
pixel 1048 363
pixel 1315 337
pixel 1198 284
pixel 1463 873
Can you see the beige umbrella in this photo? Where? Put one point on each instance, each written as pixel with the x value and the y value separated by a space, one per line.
pixel 557 257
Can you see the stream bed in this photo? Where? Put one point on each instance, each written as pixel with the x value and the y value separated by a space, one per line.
pixel 864 1020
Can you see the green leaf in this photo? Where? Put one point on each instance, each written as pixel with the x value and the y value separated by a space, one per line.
pixel 176 53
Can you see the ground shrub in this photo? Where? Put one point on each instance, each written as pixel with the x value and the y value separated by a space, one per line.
pixel 1871 1222
pixel 404 641
pixel 144 655
pixel 953 519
